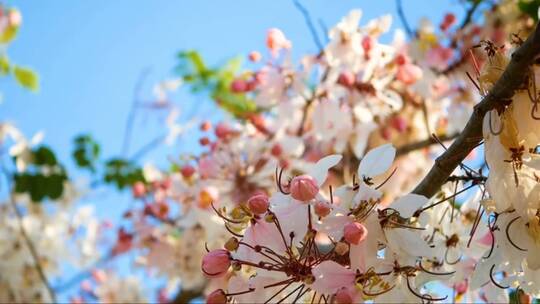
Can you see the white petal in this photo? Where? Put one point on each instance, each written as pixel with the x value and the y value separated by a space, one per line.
pixel 377 161
pixel 320 171
pixel 331 276
pixel 408 204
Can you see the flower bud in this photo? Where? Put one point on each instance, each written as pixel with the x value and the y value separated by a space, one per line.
pixel 304 188
pixel 276 150
pixel 354 233
pixel 343 296
pixel 204 141
pixel 187 171
pixel 399 123
pixel 205 126
pixel 139 189
pixel 216 263
pixel 217 297
pixel 239 86
pixel 322 209
pixel 258 204
pixel 346 79
pixel 254 56
pixel 222 130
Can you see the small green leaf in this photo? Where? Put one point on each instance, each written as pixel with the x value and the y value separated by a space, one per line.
pixel 9 34
pixel 26 78
pixel 44 156
pixel 530 8
pixel 4 65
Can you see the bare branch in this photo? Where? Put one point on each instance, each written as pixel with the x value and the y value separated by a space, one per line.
pixel 405 149
pixel 309 23
pixel 470 137
pixel 403 19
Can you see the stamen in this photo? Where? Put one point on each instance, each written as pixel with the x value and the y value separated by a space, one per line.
pixel 493 279
pixel 508 234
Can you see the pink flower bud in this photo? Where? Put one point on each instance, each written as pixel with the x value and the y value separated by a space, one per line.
pixel 217 297
pixel 254 56
pixel 204 141
pixel 139 189
pixel 343 296
pixel 304 188
pixel 354 233
pixel 187 171
pixel 222 130
pixel 216 263
pixel 367 44
pixel 205 126
pixel 462 287
pixel 322 209
pixel 239 86
pixel 258 204
pixel 401 59
pixel 276 150
pixel 276 40
pixel 409 73
pixel 346 79
pixel 399 123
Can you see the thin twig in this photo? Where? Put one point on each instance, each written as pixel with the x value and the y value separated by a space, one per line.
pixel 424 143
pixel 27 240
pixel 471 136
pixel 401 15
pixel 132 111
pixel 309 23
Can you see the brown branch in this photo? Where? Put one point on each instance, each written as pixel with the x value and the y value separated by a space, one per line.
pixel 501 94
pixel 423 144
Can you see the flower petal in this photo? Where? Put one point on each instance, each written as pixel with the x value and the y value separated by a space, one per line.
pixel 331 276
pixel 377 161
pixel 320 170
pixel 408 204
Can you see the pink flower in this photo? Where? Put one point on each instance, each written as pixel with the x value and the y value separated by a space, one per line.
pixel 304 188
pixel 208 167
pixel 217 297
pixel 439 57
pixel 322 209
pixel 330 277
pixel 258 204
pixel 354 233
pixel 216 263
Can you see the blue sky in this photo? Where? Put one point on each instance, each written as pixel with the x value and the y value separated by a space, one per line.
pixel 89 55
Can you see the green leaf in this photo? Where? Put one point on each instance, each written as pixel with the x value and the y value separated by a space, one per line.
pixel 44 156
pixel 26 77
pixel 9 34
pixel 86 152
pixel 4 65
pixel 530 8
pixel 122 173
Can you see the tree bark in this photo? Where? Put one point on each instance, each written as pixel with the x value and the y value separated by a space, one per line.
pixel 513 77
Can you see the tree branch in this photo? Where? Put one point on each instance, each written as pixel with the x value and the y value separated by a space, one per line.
pixel 309 23
pixel 470 137
pixel 401 15
pixel 423 144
